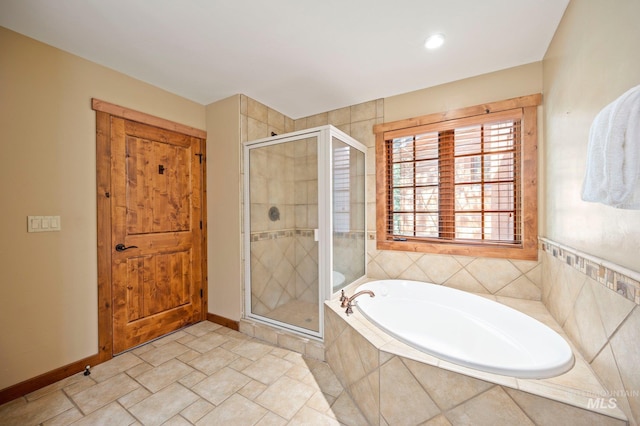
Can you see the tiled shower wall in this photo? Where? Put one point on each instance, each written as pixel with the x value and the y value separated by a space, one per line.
pixel 597 304
pixel 284 256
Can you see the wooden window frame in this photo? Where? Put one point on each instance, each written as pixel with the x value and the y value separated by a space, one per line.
pixel 527 188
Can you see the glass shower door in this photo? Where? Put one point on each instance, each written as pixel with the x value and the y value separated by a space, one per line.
pixel 283 208
pixel 348 208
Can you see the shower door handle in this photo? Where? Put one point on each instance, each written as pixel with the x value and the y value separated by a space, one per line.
pixel 122 247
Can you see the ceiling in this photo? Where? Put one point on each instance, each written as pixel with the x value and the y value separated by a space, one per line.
pixel 300 57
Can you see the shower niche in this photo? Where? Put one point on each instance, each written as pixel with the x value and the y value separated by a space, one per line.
pixel 304 225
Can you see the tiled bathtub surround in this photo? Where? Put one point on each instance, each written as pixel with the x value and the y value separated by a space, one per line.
pixel 393 383
pixel 501 277
pixel 596 305
pixel 621 280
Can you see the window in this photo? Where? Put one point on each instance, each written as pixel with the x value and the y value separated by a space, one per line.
pixel 341 189
pixel 464 185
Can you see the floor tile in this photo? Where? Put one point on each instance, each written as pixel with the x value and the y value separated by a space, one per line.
pixel 133 397
pixel 36 411
pixel 308 416
pixel 112 414
pixel 55 386
pixel 192 379
pixel 236 410
pixel 163 405
pixel 79 386
pixel 207 342
pixel 267 369
pixel 164 353
pixel 221 385
pixel 197 410
pixel 202 328
pixel 103 393
pixel 285 397
pixel 320 402
pixel 177 421
pixel 169 338
pixel 271 419
pixel 65 418
pixel 139 369
pixel 116 365
pixel 213 360
pixel 252 389
pixel 252 350
pixel 163 375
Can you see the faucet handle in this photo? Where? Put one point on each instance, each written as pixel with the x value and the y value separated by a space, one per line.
pixel 349 309
pixel 342 297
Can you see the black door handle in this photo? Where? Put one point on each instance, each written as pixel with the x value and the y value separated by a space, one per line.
pixel 122 247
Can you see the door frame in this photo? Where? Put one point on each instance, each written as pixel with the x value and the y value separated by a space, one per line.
pixel 104 112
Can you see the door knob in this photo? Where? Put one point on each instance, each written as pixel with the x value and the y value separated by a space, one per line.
pixel 122 247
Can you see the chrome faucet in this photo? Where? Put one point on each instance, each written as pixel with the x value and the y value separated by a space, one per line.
pixel 346 301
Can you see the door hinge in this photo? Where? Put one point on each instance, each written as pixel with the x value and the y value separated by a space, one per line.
pixel 200 157
pixel 200 224
pixel 201 293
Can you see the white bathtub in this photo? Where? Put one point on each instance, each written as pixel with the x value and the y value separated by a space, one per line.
pixel 465 329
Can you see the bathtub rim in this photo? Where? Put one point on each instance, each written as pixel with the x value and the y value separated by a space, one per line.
pixel 511 371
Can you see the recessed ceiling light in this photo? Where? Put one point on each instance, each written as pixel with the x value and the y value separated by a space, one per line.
pixel 434 41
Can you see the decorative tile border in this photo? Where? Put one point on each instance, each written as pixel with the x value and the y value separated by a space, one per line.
pixel 351 235
pixel 274 235
pixel 285 233
pixel 615 277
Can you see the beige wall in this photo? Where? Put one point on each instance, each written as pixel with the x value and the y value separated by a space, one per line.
pixel 592 60
pixel 496 86
pixel 48 284
pixel 223 208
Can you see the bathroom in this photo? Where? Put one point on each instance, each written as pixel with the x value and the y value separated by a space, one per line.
pixel 591 60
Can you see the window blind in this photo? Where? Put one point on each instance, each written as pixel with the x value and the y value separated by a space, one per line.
pixel 456 181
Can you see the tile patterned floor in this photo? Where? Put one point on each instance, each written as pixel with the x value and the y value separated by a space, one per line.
pixel 202 375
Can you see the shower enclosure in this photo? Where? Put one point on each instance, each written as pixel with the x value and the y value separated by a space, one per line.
pixel 304 225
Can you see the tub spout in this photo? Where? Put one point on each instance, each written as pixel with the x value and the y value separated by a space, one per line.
pixel 346 301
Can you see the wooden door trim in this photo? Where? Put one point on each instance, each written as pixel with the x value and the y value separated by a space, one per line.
pixel 104 112
pixel 141 117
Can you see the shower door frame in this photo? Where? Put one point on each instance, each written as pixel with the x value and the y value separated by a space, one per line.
pixel 324 137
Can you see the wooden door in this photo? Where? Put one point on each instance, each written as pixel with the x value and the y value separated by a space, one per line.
pixel 156 232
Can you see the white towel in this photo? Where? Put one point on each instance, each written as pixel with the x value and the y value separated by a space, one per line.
pixel 613 155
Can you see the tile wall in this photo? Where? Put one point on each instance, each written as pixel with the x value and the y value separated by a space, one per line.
pixel 597 304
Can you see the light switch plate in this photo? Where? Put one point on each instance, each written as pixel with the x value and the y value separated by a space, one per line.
pixel 43 223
